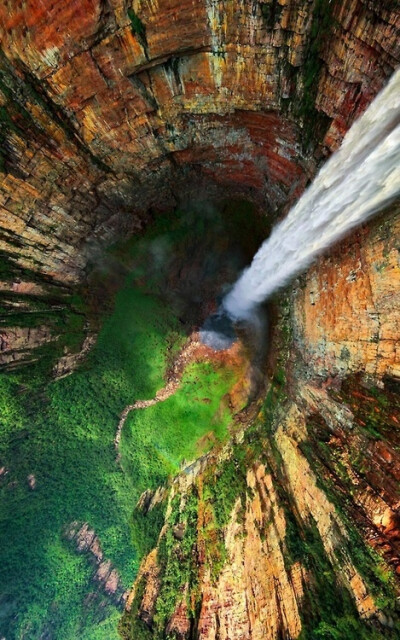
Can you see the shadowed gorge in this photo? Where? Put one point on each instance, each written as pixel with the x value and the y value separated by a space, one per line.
pixel 151 486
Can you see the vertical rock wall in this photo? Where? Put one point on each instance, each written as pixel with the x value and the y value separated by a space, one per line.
pixel 347 310
pixel 101 101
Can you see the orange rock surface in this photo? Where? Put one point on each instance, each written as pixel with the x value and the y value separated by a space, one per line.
pixel 347 314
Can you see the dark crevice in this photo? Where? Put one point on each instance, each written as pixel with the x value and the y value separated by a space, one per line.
pixel 271 13
pixel 143 91
pixel 184 53
pixel 108 82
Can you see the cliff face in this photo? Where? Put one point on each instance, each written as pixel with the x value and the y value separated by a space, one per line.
pixel 346 310
pixel 114 111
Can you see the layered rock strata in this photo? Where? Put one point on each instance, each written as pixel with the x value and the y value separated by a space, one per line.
pixel 104 103
pixel 111 111
pixel 347 308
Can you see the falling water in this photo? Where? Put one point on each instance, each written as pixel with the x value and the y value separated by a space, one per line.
pixel 360 179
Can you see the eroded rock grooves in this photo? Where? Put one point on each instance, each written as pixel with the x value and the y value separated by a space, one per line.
pixel 114 112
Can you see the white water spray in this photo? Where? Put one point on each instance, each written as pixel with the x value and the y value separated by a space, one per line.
pixel 360 179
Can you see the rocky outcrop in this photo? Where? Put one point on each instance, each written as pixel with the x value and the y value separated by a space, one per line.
pixel 105 575
pixel 16 343
pixel 70 361
pixel 150 499
pixel 40 323
pixel 254 596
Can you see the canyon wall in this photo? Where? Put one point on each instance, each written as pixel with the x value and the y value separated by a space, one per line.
pixel 102 103
pixel 347 307
pixel 112 112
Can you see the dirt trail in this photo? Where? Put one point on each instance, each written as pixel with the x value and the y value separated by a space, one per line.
pixel 188 353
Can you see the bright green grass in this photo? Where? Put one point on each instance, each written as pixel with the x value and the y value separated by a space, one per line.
pixel 64 436
pixel 181 421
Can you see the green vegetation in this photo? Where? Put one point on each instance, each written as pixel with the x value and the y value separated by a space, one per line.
pixel 176 559
pixel 138 27
pixel 63 434
pixel 65 322
pixel 374 571
pixel 197 403
pixel 328 610
pixel 146 528
pixel 131 626
pixel 225 487
pixel 374 410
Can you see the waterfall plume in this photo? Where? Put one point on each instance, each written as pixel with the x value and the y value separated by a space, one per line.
pixel 359 180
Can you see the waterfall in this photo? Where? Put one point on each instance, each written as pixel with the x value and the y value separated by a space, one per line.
pixel 359 179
